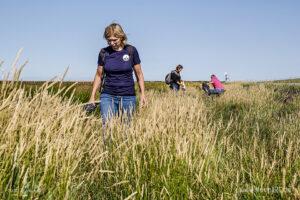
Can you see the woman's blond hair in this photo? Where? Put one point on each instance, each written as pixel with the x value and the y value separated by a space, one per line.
pixel 115 30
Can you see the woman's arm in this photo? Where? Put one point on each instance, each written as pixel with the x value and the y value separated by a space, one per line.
pixel 140 79
pixel 96 83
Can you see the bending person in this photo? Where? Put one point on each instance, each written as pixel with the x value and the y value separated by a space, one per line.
pixel 218 87
pixel 176 81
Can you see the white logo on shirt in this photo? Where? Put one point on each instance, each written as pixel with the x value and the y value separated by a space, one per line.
pixel 126 57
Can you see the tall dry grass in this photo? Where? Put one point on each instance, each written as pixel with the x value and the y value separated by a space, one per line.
pixel 242 145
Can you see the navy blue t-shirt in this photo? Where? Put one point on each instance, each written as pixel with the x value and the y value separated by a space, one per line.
pixel 118 69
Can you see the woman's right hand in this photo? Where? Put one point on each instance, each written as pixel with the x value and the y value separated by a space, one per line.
pixel 92 100
pixel 96 83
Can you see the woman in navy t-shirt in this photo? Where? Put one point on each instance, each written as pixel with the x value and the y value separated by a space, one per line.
pixel 116 64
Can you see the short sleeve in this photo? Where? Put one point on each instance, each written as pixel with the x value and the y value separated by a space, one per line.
pixel 136 58
pixel 101 58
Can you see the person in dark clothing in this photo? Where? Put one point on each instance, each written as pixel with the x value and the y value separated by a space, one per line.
pixel 117 62
pixel 176 81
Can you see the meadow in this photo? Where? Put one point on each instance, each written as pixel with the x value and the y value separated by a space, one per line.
pixel 294 80
pixel 241 145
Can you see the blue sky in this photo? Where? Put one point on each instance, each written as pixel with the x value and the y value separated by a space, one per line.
pixel 250 40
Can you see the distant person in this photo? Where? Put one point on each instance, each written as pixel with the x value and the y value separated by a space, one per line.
pixel 174 79
pixel 226 77
pixel 218 87
pixel 116 64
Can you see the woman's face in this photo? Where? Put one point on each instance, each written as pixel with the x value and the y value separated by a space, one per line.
pixel 114 42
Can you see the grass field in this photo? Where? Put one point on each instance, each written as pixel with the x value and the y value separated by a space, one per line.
pixel 241 145
pixel 295 80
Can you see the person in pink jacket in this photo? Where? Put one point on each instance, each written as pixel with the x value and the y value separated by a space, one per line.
pixel 218 87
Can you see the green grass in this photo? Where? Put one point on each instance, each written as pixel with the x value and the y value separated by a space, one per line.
pixel 294 80
pixel 241 145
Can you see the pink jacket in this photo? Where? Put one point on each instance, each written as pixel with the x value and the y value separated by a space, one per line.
pixel 216 83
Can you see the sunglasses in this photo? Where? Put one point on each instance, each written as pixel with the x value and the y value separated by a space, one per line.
pixel 113 40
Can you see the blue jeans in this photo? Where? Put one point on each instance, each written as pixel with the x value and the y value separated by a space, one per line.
pixel 215 91
pixel 112 105
pixel 174 86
